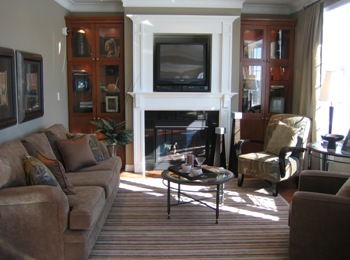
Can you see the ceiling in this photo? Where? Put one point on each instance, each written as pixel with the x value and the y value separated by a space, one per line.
pixel 282 7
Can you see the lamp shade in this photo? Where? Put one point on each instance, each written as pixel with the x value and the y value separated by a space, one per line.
pixel 251 83
pixel 331 87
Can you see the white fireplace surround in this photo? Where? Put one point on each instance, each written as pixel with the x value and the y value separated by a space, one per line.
pixel 145 28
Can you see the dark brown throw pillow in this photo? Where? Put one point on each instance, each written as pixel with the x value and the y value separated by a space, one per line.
pixel 76 153
pixel 58 171
pixel 37 173
pixel 93 143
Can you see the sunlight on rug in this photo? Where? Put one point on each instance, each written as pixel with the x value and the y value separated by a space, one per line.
pixel 252 224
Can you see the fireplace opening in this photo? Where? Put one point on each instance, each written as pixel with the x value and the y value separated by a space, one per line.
pixel 171 135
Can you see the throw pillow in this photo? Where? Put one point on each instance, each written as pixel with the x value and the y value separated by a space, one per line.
pixel 76 153
pixel 283 135
pixel 37 173
pixel 345 189
pixel 93 143
pixel 58 171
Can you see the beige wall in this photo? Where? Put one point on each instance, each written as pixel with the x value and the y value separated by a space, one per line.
pixel 36 26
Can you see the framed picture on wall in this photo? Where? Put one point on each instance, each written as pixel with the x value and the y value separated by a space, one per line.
pixel 8 112
pixel 29 86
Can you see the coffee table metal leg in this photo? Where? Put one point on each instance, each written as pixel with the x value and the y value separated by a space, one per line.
pixel 168 199
pixel 217 202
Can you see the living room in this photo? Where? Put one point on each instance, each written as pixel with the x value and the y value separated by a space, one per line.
pixel 36 27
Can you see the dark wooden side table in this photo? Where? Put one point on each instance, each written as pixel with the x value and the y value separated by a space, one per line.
pixel 319 150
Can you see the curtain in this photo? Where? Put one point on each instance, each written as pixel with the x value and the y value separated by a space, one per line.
pixel 307 62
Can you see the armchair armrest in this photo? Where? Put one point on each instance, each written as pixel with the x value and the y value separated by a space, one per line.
pixel 322 181
pixel 32 222
pixel 296 151
pixel 319 226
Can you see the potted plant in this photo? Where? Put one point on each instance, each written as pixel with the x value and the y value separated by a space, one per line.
pixel 114 134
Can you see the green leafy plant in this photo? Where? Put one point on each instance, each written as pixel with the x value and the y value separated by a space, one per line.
pixel 113 132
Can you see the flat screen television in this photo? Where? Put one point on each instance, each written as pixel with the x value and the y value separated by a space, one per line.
pixel 181 67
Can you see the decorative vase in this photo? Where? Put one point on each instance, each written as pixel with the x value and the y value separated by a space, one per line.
pixel 112 149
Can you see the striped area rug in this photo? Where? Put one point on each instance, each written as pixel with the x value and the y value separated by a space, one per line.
pixel 252 224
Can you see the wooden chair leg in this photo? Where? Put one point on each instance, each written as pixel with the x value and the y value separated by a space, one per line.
pixel 240 179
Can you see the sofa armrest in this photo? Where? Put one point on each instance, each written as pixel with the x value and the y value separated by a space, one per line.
pixel 32 221
pixel 322 181
pixel 319 226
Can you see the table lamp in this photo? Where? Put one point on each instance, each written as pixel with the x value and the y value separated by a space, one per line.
pixel 330 91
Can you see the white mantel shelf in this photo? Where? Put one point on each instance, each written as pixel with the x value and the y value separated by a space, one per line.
pixel 145 29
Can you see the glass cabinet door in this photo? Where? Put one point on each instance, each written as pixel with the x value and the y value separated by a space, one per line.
pixel 108 40
pixel 82 91
pixel 81 41
pixel 253 41
pixel 109 90
pixel 252 81
pixel 279 44
pixel 280 76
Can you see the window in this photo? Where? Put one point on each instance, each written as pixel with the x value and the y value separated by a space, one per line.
pixel 336 57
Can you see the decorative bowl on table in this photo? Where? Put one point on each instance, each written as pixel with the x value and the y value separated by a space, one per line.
pixel 332 139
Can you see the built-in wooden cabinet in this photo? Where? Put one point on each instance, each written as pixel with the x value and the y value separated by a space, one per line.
pixel 266 74
pixel 95 51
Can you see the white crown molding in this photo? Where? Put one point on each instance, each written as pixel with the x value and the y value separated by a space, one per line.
pixel 266 9
pixel 185 3
pixel 100 6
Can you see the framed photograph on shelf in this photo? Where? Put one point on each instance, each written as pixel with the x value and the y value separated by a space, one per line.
pixel 8 112
pixel 277 105
pixel 29 86
pixel 346 145
pixel 112 104
pixel 109 47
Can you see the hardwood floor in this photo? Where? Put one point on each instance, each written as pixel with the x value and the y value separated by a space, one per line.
pixel 286 188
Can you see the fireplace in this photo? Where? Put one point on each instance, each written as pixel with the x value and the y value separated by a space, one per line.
pixel 162 134
pixel 171 135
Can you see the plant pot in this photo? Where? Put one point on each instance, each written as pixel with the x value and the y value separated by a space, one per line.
pixel 112 149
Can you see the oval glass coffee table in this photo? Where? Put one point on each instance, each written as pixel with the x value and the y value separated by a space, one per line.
pixel 212 176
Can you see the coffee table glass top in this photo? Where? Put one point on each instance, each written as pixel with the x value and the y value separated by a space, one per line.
pixel 211 176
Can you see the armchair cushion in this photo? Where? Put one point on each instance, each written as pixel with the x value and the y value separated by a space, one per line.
pixel 282 136
pixel 266 166
pixel 345 189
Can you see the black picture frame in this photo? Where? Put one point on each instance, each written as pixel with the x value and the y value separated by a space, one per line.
pixel 346 144
pixel 277 105
pixel 29 86
pixel 8 112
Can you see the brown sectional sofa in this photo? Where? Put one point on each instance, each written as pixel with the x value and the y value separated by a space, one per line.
pixel 42 221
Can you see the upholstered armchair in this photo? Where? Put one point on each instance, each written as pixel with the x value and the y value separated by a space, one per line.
pixel 284 149
pixel 319 217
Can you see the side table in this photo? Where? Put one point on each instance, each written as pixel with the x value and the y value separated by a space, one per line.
pixel 319 150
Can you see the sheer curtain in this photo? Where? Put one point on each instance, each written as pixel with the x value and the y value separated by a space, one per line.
pixel 307 64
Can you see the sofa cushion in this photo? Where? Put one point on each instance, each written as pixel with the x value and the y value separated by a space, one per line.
pixel 93 143
pixel 38 142
pixel 86 207
pixel 37 173
pixel 112 164
pixel 108 180
pixel 345 189
pixel 76 153
pixel 11 164
pixel 282 136
pixel 58 171
pixel 54 133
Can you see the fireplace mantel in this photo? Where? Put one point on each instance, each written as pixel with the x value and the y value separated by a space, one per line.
pixel 145 28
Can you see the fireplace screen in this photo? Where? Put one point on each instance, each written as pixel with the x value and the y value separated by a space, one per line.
pixel 170 136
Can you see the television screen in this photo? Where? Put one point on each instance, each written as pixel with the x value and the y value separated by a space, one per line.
pixel 181 64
